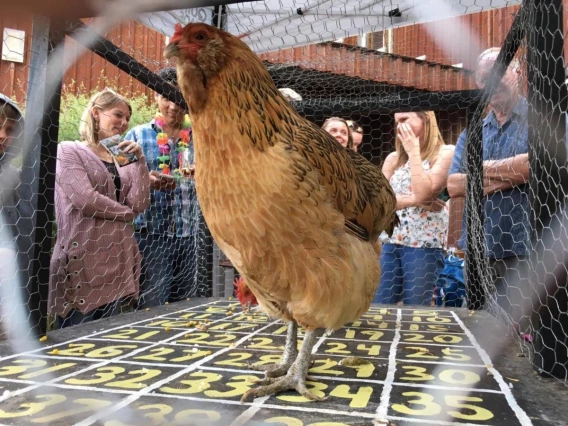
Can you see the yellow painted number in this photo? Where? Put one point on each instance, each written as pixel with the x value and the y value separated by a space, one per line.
pixel 86 405
pixel 269 359
pixel 192 355
pixel 380 325
pixel 22 365
pixel 373 335
pixel 110 351
pixel 129 333
pixel 325 367
pixel 197 385
pixel 420 352
pixel 263 343
pixel 479 413
pixel 314 387
pixel 33 407
pixel 240 385
pixel 159 415
pixel 424 400
pixel 136 382
pixel 432 319
pixel 167 323
pixel 157 355
pixel 441 338
pixel 77 349
pixel 358 400
pixel 416 373
pixel 216 339
pixel 227 326
pixel 104 374
pixel 235 362
pixel 371 350
pixel 196 417
pixel 455 355
pixel 430 408
pixel 338 348
pixel 459 377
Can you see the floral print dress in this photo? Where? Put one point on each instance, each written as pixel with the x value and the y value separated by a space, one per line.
pixel 418 228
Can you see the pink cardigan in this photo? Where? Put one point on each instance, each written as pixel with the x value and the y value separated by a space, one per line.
pixel 96 258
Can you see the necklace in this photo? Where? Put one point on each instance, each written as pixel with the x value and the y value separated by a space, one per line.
pixel 162 139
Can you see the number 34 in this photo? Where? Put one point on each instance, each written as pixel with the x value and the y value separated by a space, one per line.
pixel 431 408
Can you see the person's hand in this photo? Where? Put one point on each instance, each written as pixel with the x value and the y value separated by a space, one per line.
pixel 160 183
pixel 433 206
pixel 409 141
pixel 131 147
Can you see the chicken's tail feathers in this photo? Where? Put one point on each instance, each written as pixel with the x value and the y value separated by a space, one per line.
pixel 395 222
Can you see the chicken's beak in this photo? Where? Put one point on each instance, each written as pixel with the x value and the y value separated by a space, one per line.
pixel 172 50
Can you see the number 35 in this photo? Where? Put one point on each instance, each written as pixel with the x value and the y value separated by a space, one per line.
pixel 430 408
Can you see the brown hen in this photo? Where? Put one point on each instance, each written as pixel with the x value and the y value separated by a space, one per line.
pixel 297 214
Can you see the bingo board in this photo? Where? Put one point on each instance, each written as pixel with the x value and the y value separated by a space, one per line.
pixel 188 364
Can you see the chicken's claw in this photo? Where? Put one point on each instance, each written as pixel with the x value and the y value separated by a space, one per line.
pixel 264 381
pixel 296 375
pixel 271 370
pixel 282 384
pixel 288 357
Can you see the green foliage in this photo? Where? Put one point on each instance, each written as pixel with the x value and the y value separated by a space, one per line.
pixel 74 102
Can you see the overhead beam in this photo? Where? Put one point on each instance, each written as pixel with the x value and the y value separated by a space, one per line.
pixel 117 57
pixel 76 9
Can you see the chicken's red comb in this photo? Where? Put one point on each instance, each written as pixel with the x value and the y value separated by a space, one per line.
pixel 238 282
pixel 178 30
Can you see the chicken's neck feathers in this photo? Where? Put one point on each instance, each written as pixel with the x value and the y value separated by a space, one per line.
pixel 244 94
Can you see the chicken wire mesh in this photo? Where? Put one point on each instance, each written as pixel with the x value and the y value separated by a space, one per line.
pixel 362 73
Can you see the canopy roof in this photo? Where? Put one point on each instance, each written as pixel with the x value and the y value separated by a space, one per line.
pixel 277 24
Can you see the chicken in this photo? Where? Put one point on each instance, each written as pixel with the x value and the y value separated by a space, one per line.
pixel 297 214
pixel 243 293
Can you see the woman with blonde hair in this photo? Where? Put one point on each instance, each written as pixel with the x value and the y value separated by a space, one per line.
pixel 339 129
pixel 418 171
pixel 96 262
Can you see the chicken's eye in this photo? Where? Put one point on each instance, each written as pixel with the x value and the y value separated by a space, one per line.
pixel 200 37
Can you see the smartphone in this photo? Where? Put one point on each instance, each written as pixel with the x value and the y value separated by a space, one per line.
pixel 122 158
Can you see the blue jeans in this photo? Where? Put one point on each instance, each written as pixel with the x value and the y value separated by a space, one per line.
pixel 408 274
pixel 169 269
pixel 75 317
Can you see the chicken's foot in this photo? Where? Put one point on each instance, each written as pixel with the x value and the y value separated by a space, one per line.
pixel 295 378
pixel 288 357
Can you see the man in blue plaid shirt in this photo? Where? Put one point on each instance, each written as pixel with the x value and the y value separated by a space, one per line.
pixel 167 231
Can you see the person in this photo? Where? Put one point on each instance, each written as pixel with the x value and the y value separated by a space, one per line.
pixel 412 258
pixel 339 129
pixel 166 232
pixel 505 176
pixel 96 262
pixel 11 128
pixel 15 217
pixel 357 133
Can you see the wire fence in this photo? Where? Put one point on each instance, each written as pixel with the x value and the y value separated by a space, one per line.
pixel 95 228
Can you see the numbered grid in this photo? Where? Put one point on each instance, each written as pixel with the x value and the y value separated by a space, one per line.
pixel 391 365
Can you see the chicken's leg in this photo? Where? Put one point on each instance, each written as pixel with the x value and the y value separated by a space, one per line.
pixel 288 357
pixel 295 378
